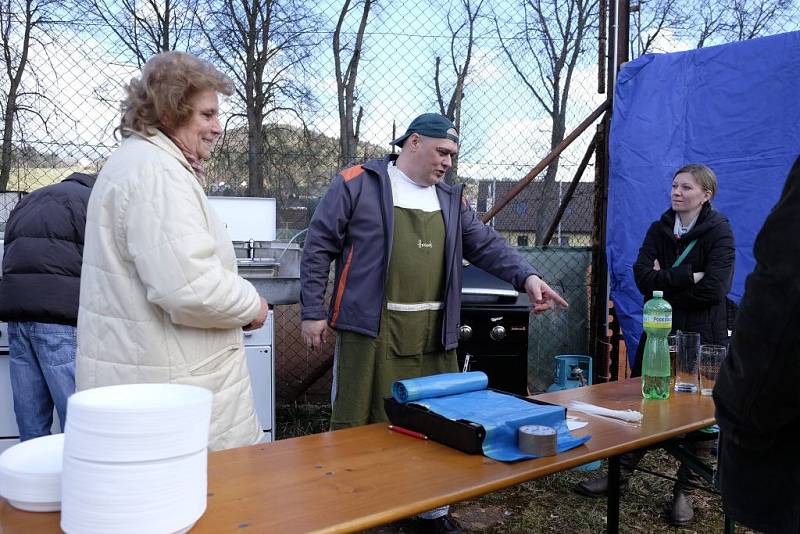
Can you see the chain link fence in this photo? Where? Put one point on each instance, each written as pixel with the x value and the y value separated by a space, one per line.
pixel 323 85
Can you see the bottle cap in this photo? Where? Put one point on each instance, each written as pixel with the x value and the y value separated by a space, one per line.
pixel 658 294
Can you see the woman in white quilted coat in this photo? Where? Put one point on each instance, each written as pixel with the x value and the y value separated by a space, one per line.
pixel 160 298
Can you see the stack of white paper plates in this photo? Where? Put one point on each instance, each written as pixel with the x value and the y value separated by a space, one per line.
pixel 135 459
pixel 30 474
pixel 157 496
pixel 137 422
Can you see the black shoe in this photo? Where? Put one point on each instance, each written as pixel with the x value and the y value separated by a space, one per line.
pixel 440 525
pixel 682 512
pixel 597 487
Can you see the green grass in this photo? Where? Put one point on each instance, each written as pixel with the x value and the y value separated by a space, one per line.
pixel 549 505
pixel 301 419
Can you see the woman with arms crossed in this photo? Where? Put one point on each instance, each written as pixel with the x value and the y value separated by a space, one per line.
pixel 697 289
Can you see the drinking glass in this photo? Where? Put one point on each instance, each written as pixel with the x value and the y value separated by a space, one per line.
pixel 711 357
pixel 672 343
pixel 687 362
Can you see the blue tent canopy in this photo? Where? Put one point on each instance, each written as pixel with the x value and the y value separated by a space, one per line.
pixel 734 108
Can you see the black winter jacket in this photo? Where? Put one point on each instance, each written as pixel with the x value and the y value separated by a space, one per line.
pixel 699 307
pixel 43 253
pixel 757 395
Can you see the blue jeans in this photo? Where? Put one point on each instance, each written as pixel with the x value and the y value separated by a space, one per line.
pixel 42 374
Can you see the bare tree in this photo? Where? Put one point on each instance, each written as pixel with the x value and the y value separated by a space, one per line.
pixel 710 20
pixel 651 20
pixel 262 44
pixel 22 23
pixel 346 77
pixel 704 21
pixel 752 18
pixel 460 58
pixel 147 27
pixel 544 52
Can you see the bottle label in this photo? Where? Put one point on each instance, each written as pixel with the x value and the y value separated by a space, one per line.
pixel 658 321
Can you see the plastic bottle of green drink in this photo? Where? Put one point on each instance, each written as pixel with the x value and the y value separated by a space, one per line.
pixel 656 368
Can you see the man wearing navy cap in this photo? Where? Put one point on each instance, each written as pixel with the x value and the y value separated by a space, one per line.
pixel 398 234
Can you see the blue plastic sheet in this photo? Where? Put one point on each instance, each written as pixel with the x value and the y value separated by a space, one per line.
pixel 464 396
pixel 438 385
pixel 733 107
pixel 501 416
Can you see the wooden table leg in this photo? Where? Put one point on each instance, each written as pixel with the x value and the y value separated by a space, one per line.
pixel 612 512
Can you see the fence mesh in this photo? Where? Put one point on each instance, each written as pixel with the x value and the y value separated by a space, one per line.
pixel 322 85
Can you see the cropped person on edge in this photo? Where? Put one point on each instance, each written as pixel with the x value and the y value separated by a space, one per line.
pixel 398 234
pixel 39 299
pixel 756 394
pixel 697 289
pixel 161 300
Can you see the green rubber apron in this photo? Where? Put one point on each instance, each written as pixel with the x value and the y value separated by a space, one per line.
pixel 409 343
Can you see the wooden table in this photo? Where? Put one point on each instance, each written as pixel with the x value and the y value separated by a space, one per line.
pixel 359 478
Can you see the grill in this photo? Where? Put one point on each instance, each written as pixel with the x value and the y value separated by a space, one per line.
pixel 493 336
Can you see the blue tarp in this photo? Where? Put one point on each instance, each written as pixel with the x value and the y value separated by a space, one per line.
pixel 734 108
pixel 501 416
pixel 463 396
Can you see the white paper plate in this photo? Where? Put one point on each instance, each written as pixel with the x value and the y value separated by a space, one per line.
pixel 36 506
pixel 30 472
pixel 137 422
pixel 163 496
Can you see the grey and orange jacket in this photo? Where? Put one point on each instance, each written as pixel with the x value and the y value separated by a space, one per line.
pixel 354 225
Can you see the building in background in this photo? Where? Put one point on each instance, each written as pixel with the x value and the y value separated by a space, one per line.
pixel 517 221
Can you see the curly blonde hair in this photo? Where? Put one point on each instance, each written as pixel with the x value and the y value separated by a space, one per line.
pixel 162 95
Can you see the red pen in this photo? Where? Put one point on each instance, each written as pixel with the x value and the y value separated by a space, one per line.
pixel 407 432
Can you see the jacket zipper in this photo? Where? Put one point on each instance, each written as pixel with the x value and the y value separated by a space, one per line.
pixel 451 268
pixel 387 252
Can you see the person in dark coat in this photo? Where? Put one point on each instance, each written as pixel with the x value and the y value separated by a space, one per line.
pixel 39 299
pixel 756 394
pixel 696 288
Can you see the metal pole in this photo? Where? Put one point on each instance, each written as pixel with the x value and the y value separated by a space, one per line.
pixel 618 50
pixel 560 200
pixel 570 191
pixel 623 32
pixel 601 48
pixel 612 47
pixel 612 510
pixel 598 329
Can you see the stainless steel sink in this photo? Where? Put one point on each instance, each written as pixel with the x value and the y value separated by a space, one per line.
pixel 258 267
pixel 273 268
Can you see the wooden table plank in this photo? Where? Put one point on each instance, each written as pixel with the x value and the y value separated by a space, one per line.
pixel 358 478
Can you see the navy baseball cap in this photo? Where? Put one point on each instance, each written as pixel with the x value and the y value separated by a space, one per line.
pixel 429 125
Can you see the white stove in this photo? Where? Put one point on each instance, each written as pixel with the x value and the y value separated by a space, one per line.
pixel 259 349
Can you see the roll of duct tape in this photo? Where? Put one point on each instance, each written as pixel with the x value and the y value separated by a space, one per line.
pixel 538 440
